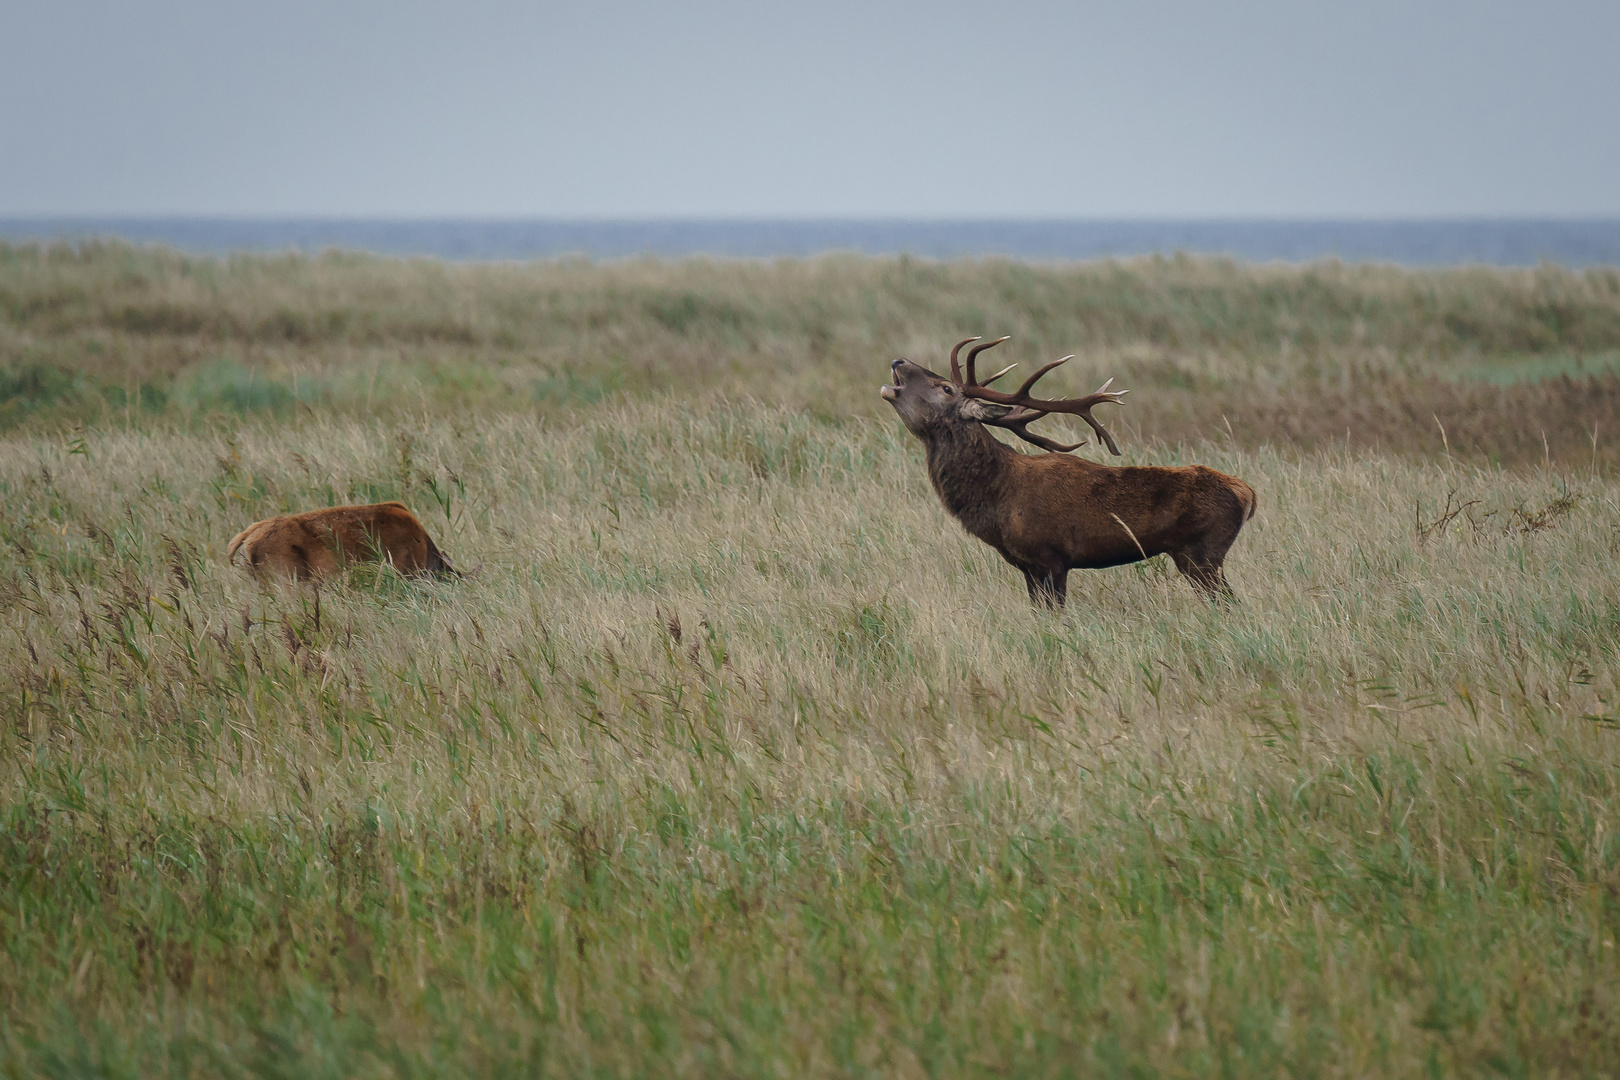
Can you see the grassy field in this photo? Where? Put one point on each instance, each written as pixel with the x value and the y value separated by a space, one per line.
pixel 735 756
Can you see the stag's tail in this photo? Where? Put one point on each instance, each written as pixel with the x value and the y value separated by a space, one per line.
pixel 1246 496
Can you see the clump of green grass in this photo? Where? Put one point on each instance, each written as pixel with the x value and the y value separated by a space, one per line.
pixel 737 756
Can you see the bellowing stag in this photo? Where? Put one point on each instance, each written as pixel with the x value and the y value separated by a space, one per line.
pixel 1049 514
pixel 319 543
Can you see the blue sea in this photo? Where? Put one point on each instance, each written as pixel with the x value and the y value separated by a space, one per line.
pixel 1438 242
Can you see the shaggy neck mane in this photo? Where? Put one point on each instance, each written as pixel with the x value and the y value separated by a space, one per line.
pixel 967 466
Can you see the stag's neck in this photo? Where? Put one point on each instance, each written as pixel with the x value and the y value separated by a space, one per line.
pixel 968 467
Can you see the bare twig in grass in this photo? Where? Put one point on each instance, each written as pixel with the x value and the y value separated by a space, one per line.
pixel 1534 521
pixel 1448 514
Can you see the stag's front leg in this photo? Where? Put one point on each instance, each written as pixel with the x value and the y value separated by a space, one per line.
pixel 1033 584
pixel 1047 588
pixel 1057 587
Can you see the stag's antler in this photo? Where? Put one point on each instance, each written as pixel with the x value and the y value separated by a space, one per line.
pixel 1026 409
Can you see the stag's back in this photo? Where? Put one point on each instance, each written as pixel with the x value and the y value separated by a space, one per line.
pixel 315 544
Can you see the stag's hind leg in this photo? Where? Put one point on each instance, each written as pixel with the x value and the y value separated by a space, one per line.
pixel 1202 561
pixel 1208 578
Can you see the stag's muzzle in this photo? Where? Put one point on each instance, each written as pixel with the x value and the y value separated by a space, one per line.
pixel 891 392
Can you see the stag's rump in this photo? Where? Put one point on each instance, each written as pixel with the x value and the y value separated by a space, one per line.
pixel 1187 505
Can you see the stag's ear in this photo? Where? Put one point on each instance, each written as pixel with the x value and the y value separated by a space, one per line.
pixel 978 409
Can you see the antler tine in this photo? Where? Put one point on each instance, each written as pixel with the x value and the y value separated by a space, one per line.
pixel 998 375
pixel 956 370
pixel 1023 391
pixel 1028 409
pixel 1018 423
pixel 1102 432
pixel 973 354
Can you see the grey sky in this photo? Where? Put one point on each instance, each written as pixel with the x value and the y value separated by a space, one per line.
pixel 1168 109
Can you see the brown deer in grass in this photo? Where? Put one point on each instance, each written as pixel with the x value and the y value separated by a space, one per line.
pixel 319 543
pixel 1051 513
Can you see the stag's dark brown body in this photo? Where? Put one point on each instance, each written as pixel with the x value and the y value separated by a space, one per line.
pixel 1052 513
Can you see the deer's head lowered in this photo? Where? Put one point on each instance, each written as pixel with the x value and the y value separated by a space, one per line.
pixel 1048 514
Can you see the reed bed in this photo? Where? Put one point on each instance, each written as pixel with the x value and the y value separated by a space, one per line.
pixel 735 756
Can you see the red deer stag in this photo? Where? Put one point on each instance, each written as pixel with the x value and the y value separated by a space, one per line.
pixel 1049 514
pixel 313 545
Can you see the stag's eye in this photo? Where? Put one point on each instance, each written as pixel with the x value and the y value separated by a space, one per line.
pixel 948 389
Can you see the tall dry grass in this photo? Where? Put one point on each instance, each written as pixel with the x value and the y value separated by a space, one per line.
pixel 736 756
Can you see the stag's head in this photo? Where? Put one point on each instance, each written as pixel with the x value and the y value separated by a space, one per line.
pixel 929 403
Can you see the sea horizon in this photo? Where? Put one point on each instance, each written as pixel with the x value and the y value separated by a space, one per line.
pixel 1411 242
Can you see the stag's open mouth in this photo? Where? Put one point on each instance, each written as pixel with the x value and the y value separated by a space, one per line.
pixel 890 392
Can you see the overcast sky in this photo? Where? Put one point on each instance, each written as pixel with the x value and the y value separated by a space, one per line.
pixel 1172 109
